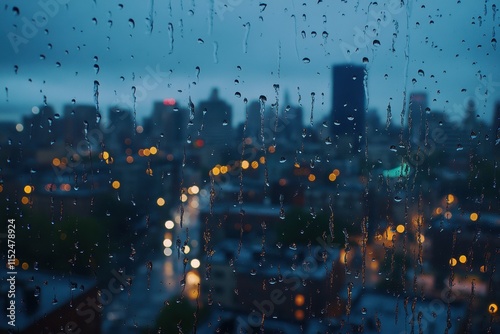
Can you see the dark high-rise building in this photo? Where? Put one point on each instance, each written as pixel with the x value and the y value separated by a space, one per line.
pixel 167 122
pixel 348 113
pixel 416 117
pixel 77 119
pixel 120 127
pixel 216 118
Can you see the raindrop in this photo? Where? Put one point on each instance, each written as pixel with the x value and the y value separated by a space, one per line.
pixel 306 60
pixel 460 147
pixel 16 10
pixel 237 94
pixel 397 199
pixel 376 42
pixel 96 68
pixel 131 23
pixel 324 34
pixel 224 122
pixel 421 72
pixel 282 159
pixel 200 41
pixel 42 57
pixel 393 148
pixel 365 60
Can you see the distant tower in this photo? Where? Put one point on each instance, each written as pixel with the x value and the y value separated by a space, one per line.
pixel 77 119
pixel 217 123
pixel 167 122
pixel 348 113
pixel 416 116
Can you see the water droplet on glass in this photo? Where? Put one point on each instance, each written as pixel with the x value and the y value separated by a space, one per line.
pixel 421 72
pixel 282 159
pixel 131 23
pixel 376 42
pixel 460 147
pixel 306 60
pixel 237 94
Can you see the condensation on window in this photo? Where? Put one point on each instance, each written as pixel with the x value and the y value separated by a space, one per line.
pixel 239 166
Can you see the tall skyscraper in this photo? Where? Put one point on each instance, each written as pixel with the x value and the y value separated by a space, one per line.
pixel 416 117
pixel 348 113
pixel 167 122
pixel 216 117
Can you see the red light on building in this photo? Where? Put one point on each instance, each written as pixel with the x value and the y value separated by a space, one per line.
pixel 198 143
pixel 169 102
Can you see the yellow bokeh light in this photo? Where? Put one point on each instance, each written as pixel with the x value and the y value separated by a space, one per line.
pixel 153 150
pixel 311 177
pixel 400 228
pixel 187 249
pixel 115 184
pixel 474 216
pixel 192 278
pixel 195 190
pixel 262 160
pixel 255 164
pixel 493 308
pixel 245 164
pixel 146 152
pixel 439 211
pixel 169 224
pixel 483 269
pixel 167 243
pixel 223 169
pixel 130 159
pixel 336 172
pixel 105 155
pixel 299 300
pixel 453 262
pixel 215 171
pixel 389 233
pixel 28 189
pixel 160 201
pixel 462 259
pixel 25 200
pixel 332 177
pixel 25 266
pixel 56 162
pixel 271 149
pixel 149 171
pixel 184 198
pixel 195 263
pixel 450 198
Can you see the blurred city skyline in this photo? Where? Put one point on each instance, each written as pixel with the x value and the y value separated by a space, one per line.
pixel 187 49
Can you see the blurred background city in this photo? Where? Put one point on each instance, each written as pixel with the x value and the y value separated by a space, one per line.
pixel 309 180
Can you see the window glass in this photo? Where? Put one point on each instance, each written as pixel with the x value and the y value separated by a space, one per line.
pixel 240 166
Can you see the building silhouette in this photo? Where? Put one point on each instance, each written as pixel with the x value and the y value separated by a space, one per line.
pixel 348 113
